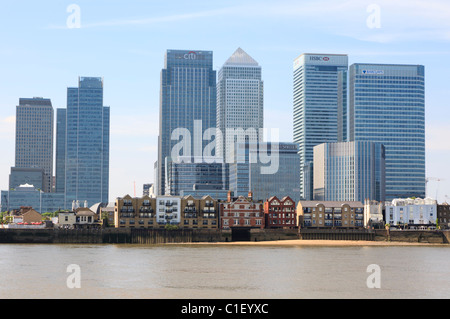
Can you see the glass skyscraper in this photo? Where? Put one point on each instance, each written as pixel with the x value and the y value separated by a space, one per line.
pixel 28 195
pixel 185 177
pixel 387 105
pixel 349 171
pixel 240 102
pixel 251 171
pixel 320 107
pixel 83 144
pixel 60 157
pixel 34 137
pixel 187 101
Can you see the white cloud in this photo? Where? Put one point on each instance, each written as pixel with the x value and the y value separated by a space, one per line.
pixel 9 119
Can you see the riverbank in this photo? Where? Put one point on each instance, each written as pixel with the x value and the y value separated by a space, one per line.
pixel 238 237
pixel 335 243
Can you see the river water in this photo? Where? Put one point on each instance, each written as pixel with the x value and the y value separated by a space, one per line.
pixel 223 271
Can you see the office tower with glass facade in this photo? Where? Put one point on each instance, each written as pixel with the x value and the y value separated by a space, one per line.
pixel 266 169
pixel 349 171
pixel 186 176
pixel 240 103
pixel 85 135
pixel 187 104
pixel 60 157
pixel 29 195
pixel 34 138
pixel 387 105
pixel 320 107
pixel 32 176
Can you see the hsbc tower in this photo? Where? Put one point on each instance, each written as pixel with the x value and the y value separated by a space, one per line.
pixel 320 108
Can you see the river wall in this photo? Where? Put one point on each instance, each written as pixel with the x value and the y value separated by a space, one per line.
pixel 162 236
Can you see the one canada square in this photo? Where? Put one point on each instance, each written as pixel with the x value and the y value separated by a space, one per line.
pixel 320 108
pixel 240 104
pixel 187 103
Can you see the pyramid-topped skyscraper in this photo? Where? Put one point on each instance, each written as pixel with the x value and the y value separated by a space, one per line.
pixel 240 57
pixel 240 103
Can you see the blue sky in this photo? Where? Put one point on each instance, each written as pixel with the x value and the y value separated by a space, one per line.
pixel 125 42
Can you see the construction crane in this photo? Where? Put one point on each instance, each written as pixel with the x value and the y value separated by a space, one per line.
pixel 437 179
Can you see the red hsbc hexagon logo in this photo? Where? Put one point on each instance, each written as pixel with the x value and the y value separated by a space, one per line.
pixel 326 58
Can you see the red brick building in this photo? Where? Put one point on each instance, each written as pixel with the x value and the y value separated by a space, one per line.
pixel 241 212
pixel 280 213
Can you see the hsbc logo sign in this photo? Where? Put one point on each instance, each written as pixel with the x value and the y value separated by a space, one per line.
pixel 319 58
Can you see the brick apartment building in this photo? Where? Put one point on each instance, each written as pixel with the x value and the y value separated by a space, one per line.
pixel 280 213
pixel 241 212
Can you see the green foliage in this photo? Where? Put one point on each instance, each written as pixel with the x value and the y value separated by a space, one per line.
pixel 171 227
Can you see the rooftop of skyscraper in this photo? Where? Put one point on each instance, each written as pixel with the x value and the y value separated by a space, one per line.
pixel 240 57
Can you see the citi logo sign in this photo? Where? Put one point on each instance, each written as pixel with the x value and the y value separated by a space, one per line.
pixel 319 58
pixel 190 56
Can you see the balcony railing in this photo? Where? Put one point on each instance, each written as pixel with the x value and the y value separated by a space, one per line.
pixel 146 215
pixel 126 215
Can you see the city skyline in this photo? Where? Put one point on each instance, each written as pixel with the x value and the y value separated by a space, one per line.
pixel 133 93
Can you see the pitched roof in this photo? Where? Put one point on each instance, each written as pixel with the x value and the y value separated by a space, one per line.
pixel 83 211
pixel 240 57
pixel 331 204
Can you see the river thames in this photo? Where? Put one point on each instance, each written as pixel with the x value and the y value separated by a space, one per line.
pixel 196 271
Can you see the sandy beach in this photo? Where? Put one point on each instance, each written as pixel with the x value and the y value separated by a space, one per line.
pixel 339 243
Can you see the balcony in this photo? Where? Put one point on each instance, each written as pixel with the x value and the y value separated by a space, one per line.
pixel 126 215
pixel 190 215
pixel 146 215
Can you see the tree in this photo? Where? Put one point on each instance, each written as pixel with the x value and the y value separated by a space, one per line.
pixel 171 227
